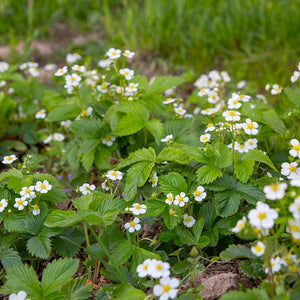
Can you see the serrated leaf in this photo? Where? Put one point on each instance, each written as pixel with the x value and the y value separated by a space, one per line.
pixel 55 195
pixel 162 83
pixel 236 251
pixel 239 296
pixel 101 158
pixel 243 169
pixel 39 246
pixel 176 127
pixel 293 97
pixel 213 235
pixel 204 241
pixel 156 129
pixel 253 268
pixel 221 184
pixel 186 237
pixel 22 278
pixel 15 223
pixel 76 289
pixel 155 207
pixel 171 220
pixel 126 291
pixel 136 176
pixel 63 218
pixel 9 258
pixel 208 213
pixel 64 112
pixel 121 253
pixel 57 273
pixel 227 203
pixel 250 193
pixel 195 153
pixel 226 224
pixel 208 174
pixel 173 183
pixel 137 156
pixel 141 80
pixel 258 156
pixel 197 228
pixel 271 119
pixel 223 156
pixel 173 154
pixel 88 128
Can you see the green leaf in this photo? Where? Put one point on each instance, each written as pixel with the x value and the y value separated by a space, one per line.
pixel 173 154
pixel 88 128
pixel 15 223
pixel 177 127
pixel 155 207
pixel 126 291
pixel 64 112
pixel 243 169
pixel 67 244
pixel 253 268
pixel 22 278
pixel 208 174
pixel 109 217
pixel 197 228
pixel 63 218
pixel 9 258
pixel 171 220
pixel 185 236
pixel 101 158
pixel 76 289
pixel 293 97
pixel 250 193
pixel 213 235
pixel 223 155
pixel 271 119
pixel 162 83
pixel 236 251
pixel 141 80
pixel 55 195
pixel 173 183
pixel 208 213
pixel 258 156
pixel 136 176
pixel 225 225
pixel 156 129
pixel 121 253
pixel 227 203
pixel 204 241
pixel 195 153
pixel 39 246
pixel 240 296
pixel 57 273
pixel 221 184
pixel 137 156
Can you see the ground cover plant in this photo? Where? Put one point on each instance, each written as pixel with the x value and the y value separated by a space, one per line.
pixel 111 178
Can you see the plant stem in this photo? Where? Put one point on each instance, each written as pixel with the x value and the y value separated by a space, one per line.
pixel 88 244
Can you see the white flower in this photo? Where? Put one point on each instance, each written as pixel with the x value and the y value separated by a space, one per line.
pixel 167 138
pixel 131 89
pixel 188 221
pixel 143 269
pixel 114 175
pixel 103 87
pixel 262 216
pixel 287 169
pixel 2 83
pixel 3 66
pixel 20 203
pixel 9 159
pixel 181 199
pixel 41 114
pixel 133 225
pixel 258 249
pixel 87 188
pixel 28 192
pixel 208 111
pixel 276 89
pixel 169 91
pixel 138 209
pixel 72 80
pixel 48 139
pixel 169 100
pixel 234 103
pixel 275 191
pixel 275 265
pixel 294 229
pixel 66 124
pixel 49 67
pixel 3 204
pixel 20 296
pixel 295 151
pixel 43 187
pixel 104 186
pixel 87 112
pixel 241 84
pixel 205 138
pixel 225 76
pixel 231 115
pixel 34 72
pixel 127 73
pixel 251 144
pixel 104 63
pixel 200 193
pixel 295 76
pixel 58 137
pixel 61 71
pixel 72 57
pixel 180 110
pixel 128 54
pixel 212 97
pixel 167 288
pixel 239 225
pixel 241 148
pixel 36 210
pixel 113 53
pixel 203 92
pixel 78 68
pixel 159 268
pixel 108 140
pixel 295 208
pixel 154 179
pixel 250 127
pixel 295 178
pixel 214 75
pixel 169 199
pixel 244 98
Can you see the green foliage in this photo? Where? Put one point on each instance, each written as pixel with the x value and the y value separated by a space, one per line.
pixel 173 183
pixel 63 112
pixel 162 83
pixel 236 251
pixel 9 258
pixel 76 289
pixel 253 268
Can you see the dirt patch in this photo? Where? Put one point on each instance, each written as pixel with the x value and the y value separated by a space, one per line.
pixel 221 277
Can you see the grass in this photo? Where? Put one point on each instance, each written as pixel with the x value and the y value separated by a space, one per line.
pixel 254 39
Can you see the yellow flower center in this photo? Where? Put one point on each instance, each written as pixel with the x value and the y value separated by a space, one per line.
pixel 126 73
pixel 262 215
pixel 250 143
pixel 153 195
pixel 108 138
pixel 9 158
pixel 179 110
pixel 132 223
pixel 188 219
pixel 258 248
pixel 277 89
pixel 180 199
pixel 197 193
pixel 0 204
pixel 240 225
pixel 171 212
pixel 137 206
pixel 292 168
pixel 207 109
pixel 242 146
pixel 205 138
pixel 113 173
pixel 242 96
pixel 20 202
pixel 43 186
pixel 78 68
pixel 61 71
pixel 250 126
pixel 35 207
pixel 170 199
pixel 232 113
pixel 294 228
pixel 296 147
pixel 235 102
pixel 72 78
pixel 114 53
pixel 213 96
pixel 159 267
pixel 210 125
pixel 103 86
pixel 166 288
pixel 153 180
pixel 145 267
pixel 27 191
pixel 274 187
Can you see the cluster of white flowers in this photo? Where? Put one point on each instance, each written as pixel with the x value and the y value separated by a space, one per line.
pixel 55 136
pixel 167 287
pixel 108 140
pixel 114 175
pixel 31 68
pixel 275 89
pixel 87 188
pixel 167 138
pixel 20 296
pixel 41 114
